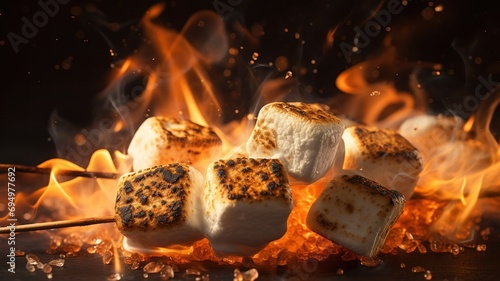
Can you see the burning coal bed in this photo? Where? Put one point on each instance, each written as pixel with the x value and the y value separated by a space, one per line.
pixel 295 184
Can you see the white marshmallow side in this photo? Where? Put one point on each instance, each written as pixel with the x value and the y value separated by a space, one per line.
pixel 356 213
pixel 384 156
pixel 302 136
pixel 162 140
pixel 247 204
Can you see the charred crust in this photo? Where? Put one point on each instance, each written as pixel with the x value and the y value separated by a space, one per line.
pixel 221 173
pixel 139 178
pixel 264 137
pixel 272 186
pixel 127 187
pixel 180 171
pixel 246 170
pixel 162 219
pixel 175 209
pixel 228 187
pixel 375 187
pixel 233 196
pixel 249 179
pixel 378 143
pixel 190 134
pixel 125 214
pixel 181 193
pixel 357 179
pixel 140 214
pixel 171 177
pixel 158 197
pixel 307 112
pixel 275 167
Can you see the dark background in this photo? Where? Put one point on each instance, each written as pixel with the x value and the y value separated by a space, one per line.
pixel 81 34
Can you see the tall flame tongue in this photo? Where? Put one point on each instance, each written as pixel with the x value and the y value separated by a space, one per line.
pixel 176 84
pixel 182 86
pixel 464 170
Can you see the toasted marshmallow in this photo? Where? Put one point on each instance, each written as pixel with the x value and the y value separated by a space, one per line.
pixel 427 132
pixel 162 140
pixel 384 156
pixel 302 136
pixel 160 206
pixel 247 204
pixel 356 213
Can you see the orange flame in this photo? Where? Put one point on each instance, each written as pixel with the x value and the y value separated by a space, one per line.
pixel 460 169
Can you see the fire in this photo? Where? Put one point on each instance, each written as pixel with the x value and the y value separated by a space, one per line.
pixel 461 166
pixel 457 172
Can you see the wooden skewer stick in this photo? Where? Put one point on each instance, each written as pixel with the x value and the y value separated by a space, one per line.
pixel 56 224
pixel 62 172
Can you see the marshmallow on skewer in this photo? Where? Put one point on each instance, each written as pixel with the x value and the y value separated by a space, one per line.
pixel 159 206
pixel 304 137
pixel 162 140
pixel 355 212
pixel 247 204
pixel 384 156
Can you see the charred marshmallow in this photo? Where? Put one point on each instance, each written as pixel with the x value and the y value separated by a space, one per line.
pixel 162 140
pixel 302 136
pixel 356 213
pixel 384 156
pixel 247 204
pixel 159 206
